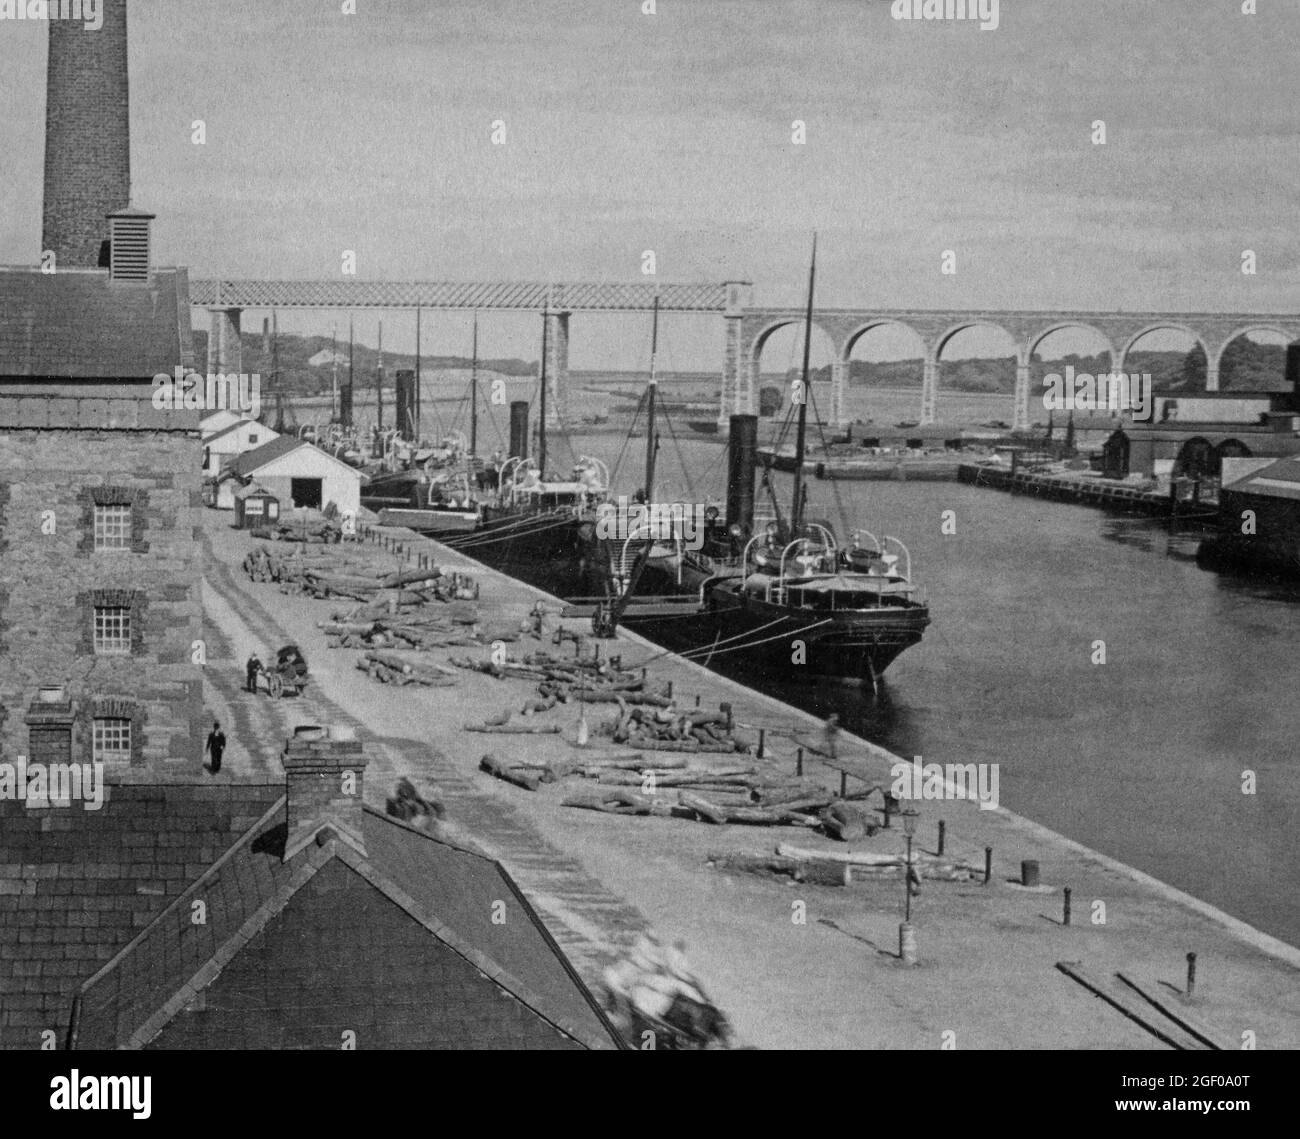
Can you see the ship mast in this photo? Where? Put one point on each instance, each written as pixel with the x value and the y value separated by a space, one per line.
pixel 796 509
pixel 541 419
pixel 473 396
pixel 652 440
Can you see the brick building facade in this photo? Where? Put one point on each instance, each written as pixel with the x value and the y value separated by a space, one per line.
pixel 99 496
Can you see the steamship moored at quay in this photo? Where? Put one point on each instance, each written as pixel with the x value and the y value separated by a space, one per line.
pixel 786 599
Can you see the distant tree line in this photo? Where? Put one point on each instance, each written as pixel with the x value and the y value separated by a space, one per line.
pixel 298 377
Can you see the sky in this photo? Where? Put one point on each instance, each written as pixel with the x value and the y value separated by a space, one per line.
pixel 672 132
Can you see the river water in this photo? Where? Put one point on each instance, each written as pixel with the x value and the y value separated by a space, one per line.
pixel 1142 757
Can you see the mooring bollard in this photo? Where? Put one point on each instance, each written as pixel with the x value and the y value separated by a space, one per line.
pixel 1028 873
pixel 697 699
pixel 907 943
pixel 988 865
pixel 1065 910
pixel 762 740
pixel 942 836
pixel 798 763
pixel 1191 974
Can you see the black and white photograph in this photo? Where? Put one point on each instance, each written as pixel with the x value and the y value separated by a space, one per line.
pixel 651 525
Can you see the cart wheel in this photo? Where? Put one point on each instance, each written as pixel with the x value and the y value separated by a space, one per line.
pixel 274 685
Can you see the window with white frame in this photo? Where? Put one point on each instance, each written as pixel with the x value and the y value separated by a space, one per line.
pixel 113 527
pixel 112 629
pixel 112 740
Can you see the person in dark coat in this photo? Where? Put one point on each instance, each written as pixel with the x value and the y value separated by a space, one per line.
pixel 251 670
pixel 215 746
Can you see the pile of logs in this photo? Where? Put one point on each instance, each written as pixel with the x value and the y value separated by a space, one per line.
pixel 677 787
pixel 392 668
pixel 319 529
pixel 663 727
pixel 832 868
pixel 439 629
pixel 561 681
pixel 356 575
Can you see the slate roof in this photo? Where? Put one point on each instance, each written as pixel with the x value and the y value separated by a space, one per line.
pixel 208 439
pixel 1277 480
pixel 398 946
pixel 76 886
pixel 79 324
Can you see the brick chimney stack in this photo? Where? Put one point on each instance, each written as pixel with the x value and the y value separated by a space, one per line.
pixel 324 784
pixel 87 137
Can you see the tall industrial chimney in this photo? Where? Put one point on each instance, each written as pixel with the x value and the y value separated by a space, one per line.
pixel 87 137
pixel 742 461
pixel 519 429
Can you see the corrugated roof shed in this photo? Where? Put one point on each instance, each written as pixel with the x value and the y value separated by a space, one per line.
pixel 79 324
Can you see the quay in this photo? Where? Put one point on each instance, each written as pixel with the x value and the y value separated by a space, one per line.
pixel 1067 487
pixel 793 965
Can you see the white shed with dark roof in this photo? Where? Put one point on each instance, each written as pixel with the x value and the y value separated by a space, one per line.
pixel 301 474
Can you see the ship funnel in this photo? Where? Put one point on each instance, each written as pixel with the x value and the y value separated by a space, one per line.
pixel 519 429
pixel 742 461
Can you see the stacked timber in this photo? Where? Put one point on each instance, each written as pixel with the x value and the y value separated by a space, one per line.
pixel 393 668
pixel 321 530
pixel 666 728
pixel 359 573
pixel 831 868
pixel 680 787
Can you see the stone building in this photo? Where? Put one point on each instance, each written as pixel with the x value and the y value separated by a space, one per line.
pixel 99 492
pixel 99 489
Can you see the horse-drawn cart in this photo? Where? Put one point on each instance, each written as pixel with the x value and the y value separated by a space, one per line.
pixel 288 676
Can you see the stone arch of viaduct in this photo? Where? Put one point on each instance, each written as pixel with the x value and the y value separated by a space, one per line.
pixel 746 326
pixel 749 329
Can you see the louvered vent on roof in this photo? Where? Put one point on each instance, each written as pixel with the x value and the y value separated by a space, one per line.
pixel 129 245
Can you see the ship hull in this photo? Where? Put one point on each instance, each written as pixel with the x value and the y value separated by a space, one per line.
pixel 851 647
pixel 541 549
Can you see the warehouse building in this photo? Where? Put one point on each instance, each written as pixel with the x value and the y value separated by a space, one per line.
pixel 300 474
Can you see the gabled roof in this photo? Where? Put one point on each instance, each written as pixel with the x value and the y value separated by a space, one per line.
pixel 250 461
pixel 398 944
pixel 253 461
pixel 223 432
pixel 80 324
pixel 1277 480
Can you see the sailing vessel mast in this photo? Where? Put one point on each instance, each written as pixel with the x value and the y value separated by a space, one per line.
pixel 796 510
pixel 652 439
pixel 541 418
pixel 473 396
pixel 334 373
pixel 415 395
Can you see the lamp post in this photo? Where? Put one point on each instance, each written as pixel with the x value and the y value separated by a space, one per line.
pixel 906 934
pixel 909 829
